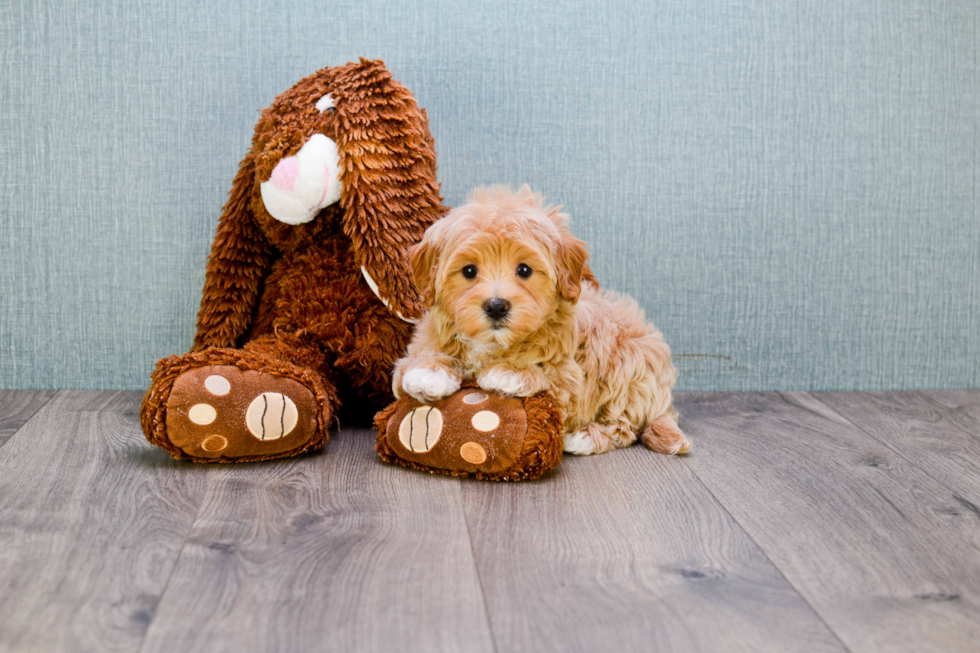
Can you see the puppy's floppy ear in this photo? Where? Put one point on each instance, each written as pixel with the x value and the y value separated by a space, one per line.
pixel 424 258
pixel 571 257
pixel 240 259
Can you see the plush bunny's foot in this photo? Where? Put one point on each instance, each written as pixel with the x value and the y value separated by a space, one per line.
pixel 228 413
pixel 220 411
pixel 473 433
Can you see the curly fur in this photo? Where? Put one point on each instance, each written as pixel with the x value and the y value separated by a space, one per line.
pixel 594 350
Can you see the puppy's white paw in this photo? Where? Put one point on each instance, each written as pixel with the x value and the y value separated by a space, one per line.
pixel 429 385
pixel 505 382
pixel 580 443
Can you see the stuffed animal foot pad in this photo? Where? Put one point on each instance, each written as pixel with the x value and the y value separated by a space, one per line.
pixel 473 433
pixel 226 412
pixel 221 411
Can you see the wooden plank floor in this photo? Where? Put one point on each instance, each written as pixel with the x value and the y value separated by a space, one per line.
pixel 800 522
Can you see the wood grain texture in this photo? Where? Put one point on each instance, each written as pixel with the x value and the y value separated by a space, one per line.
pixel 333 551
pixel 628 552
pixel 936 433
pixel 790 527
pixel 18 406
pixel 960 402
pixel 884 553
pixel 91 522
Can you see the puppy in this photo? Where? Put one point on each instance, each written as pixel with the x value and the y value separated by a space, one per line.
pixel 503 279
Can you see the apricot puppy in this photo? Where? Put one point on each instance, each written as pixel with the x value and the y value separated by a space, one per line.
pixel 503 279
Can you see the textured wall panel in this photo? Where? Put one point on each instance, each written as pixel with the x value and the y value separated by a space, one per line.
pixel 788 188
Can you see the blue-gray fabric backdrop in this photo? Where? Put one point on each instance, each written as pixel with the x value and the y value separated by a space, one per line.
pixel 788 188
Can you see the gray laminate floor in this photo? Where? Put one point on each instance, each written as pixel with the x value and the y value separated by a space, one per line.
pixel 811 522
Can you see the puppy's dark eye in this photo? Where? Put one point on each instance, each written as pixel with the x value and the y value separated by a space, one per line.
pixel 469 272
pixel 524 271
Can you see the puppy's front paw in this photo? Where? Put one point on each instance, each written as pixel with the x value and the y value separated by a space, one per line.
pixel 581 443
pixel 510 383
pixel 430 384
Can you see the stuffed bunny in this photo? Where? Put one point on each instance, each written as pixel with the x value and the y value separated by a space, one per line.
pixel 308 299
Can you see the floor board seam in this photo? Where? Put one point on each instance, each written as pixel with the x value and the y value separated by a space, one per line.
pixel 476 567
pixel 33 415
pixel 173 570
pixel 886 445
pixel 765 554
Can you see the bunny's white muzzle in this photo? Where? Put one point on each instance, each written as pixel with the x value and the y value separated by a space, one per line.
pixel 303 184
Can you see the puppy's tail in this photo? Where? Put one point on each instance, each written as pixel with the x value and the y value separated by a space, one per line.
pixel 664 436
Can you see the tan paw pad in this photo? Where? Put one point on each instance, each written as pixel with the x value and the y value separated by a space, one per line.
pixel 473 453
pixel 420 429
pixel 214 443
pixel 217 385
pixel 485 421
pixel 202 414
pixel 271 415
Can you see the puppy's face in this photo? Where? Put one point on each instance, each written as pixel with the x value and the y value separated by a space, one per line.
pixel 498 289
pixel 499 266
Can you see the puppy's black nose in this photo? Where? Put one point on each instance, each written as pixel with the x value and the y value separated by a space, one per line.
pixel 496 308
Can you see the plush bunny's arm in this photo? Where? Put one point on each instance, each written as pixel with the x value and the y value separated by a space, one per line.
pixel 240 260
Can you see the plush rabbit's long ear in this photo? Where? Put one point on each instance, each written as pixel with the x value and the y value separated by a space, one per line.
pixel 390 193
pixel 240 259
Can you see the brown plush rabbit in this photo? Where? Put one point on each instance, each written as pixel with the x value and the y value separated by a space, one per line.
pixel 308 294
